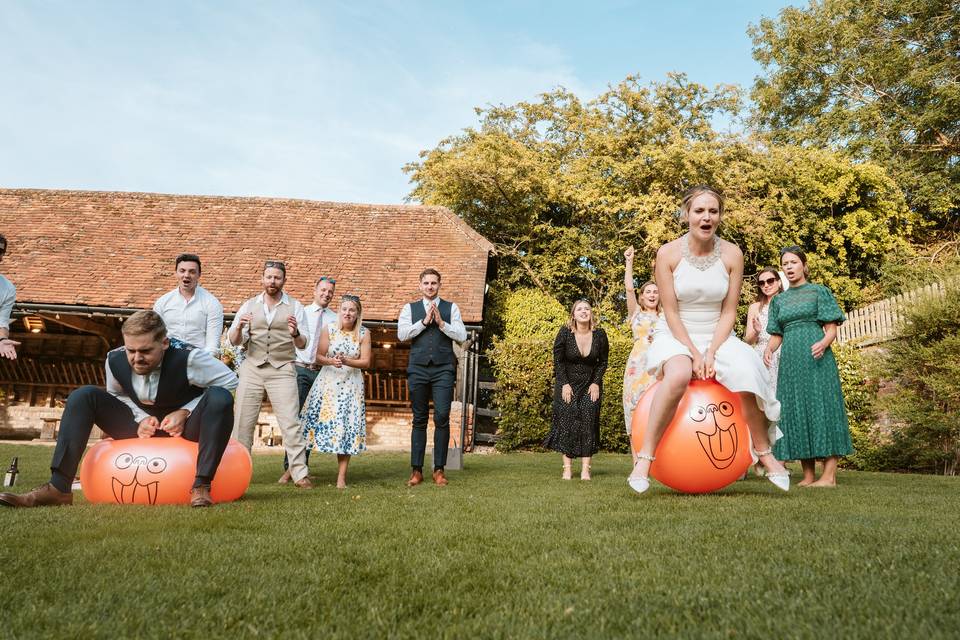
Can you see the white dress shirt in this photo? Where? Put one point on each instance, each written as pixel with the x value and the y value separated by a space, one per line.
pixel 299 312
pixel 407 330
pixel 197 321
pixel 317 319
pixel 8 295
pixel 203 370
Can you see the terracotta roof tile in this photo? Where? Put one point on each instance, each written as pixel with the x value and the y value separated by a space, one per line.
pixel 116 249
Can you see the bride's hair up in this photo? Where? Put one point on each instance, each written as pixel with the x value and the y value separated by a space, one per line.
pixel 692 193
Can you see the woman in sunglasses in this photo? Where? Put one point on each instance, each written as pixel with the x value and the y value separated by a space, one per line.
pixel 768 285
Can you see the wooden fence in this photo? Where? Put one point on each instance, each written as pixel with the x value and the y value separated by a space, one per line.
pixel 879 322
pixel 385 388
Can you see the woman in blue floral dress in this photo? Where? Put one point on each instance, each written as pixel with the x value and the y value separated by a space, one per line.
pixel 334 417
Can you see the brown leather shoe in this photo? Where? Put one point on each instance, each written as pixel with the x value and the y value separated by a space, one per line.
pixel 439 478
pixel 304 483
pixel 285 478
pixel 43 496
pixel 200 496
pixel 415 478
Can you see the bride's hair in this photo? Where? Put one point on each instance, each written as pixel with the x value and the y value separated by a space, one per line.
pixel 693 192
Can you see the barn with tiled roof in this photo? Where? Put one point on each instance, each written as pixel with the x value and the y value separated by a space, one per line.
pixel 116 250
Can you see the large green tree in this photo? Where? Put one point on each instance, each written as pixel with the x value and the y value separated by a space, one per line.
pixel 562 186
pixel 879 79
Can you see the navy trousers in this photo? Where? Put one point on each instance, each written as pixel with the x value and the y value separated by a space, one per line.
pixel 426 382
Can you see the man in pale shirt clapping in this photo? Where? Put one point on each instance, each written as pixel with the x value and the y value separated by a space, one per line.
pixel 192 314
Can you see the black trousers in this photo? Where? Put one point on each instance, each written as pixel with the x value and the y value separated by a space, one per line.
pixel 210 425
pixel 434 381
pixel 305 379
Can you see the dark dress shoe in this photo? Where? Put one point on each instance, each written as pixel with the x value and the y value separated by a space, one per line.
pixel 43 496
pixel 415 478
pixel 304 483
pixel 200 496
pixel 439 478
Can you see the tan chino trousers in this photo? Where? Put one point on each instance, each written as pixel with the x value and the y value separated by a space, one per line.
pixel 281 387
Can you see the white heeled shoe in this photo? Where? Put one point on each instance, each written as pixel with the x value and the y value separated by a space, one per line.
pixel 780 480
pixel 640 483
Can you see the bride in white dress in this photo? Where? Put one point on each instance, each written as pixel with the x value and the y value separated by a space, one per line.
pixel 699 276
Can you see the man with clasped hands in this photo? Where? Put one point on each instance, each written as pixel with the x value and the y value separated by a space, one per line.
pixel 431 324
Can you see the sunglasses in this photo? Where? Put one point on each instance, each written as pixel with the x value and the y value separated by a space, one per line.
pixel 326 279
pixel 351 298
pixel 767 281
pixel 275 264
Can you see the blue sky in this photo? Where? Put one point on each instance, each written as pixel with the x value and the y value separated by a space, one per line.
pixel 318 100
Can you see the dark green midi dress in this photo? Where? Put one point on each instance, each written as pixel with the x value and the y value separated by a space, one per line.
pixel 813 416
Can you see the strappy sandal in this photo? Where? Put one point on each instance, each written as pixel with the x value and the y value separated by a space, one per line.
pixel 780 480
pixel 640 483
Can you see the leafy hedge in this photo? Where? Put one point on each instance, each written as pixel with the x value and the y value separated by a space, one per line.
pixel 859 393
pixel 922 407
pixel 522 359
pixel 908 423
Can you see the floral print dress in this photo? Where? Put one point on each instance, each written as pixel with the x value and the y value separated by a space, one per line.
pixel 636 379
pixel 334 416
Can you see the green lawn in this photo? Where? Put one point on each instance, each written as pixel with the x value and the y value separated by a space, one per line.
pixel 507 550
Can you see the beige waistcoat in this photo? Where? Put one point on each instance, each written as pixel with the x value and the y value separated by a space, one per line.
pixel 270 344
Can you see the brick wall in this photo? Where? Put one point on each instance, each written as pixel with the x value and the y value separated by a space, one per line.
pixel 388 429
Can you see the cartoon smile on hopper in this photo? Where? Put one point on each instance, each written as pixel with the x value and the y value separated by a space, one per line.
pixel 720 445
pixel 140 480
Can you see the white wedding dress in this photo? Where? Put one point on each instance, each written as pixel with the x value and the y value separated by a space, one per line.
pixel 701 284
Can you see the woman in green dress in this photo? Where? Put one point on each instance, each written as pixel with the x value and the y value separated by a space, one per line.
pixel 813 418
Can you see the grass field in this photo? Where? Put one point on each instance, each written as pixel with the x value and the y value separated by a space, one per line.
pixel 507 550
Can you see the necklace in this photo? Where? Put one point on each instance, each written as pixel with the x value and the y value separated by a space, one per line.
pixel 701 263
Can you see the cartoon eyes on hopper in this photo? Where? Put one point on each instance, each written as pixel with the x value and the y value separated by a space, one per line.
pixel 699 414
pixel 155 465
